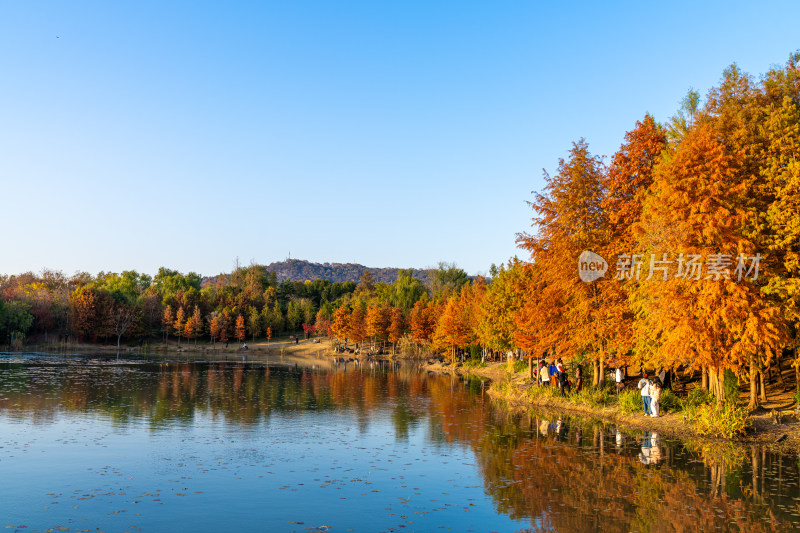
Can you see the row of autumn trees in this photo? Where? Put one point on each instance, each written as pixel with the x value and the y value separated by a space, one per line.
pixel 720 181
pixel 686 204
pixel 248 303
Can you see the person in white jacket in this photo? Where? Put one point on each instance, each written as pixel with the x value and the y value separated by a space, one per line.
pixel 655 396
pixel 644 388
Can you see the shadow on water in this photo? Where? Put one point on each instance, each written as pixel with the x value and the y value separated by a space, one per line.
pixel 545 472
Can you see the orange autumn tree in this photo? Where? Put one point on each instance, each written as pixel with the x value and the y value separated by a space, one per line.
pixel 356 329
pixel 240 331
pixel 422 321
pixel 538 310
pixel 456 328
pixel 340 325
pixel 781 170
pixel 396 327
pixel 695 318
pixel 214 328
pixel 178 325
pixel 166 321
pixel 626 183
pixel 322 324
pixel 194 325
pixel 570 219
pixel 376 322
pixel 453 330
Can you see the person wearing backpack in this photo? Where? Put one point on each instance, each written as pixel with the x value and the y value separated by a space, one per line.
pixel 553 374
pixel 544 374
pixel 644 388
pixel 563 382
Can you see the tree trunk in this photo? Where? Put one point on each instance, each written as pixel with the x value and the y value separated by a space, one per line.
pixel 602 371
pixel 530 367
pixel 753 384
pixel 711 382
pixel 778 356
pixel 704 378
pixel 763 387
pixel 595 373
pixel 715 378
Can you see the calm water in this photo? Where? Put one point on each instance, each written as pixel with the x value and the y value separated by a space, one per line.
pixel 89 444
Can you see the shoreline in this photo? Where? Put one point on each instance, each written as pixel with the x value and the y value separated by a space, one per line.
pixel 307 352
pixel 673 424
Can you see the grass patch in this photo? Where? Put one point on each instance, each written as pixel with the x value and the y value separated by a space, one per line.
pixel 471 363
pixel 595 397
pixel 520 366
pixel 669 401
pixel 543 391
pixel 727 420
pixel 630 401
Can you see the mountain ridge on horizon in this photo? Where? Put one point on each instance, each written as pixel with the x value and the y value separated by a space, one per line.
pixel 302 270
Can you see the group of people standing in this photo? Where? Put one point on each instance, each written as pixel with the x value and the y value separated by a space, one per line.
pixel 555 374
pixel 651 394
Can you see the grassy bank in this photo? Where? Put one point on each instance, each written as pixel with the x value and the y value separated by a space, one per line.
pixel 691 414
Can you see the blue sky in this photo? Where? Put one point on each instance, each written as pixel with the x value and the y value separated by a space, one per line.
pixel 185 134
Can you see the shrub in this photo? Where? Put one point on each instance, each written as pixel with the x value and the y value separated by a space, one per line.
pixel 730 384
pixel 520 366
pixel 727 420
pixel 543 391
pixel 473 363
pixel 669 401
pixel 630 401
pixel 475 352
pixel 595 397
pixel 697 397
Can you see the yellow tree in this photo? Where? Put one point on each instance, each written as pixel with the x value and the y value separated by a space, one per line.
pixel 780 177
pixel 496 314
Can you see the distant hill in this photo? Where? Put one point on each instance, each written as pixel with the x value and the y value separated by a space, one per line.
pixel 300 270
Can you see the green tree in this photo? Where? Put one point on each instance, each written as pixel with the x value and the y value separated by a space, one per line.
pixel 254 322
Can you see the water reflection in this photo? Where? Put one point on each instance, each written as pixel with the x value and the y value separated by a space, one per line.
pixel 550 473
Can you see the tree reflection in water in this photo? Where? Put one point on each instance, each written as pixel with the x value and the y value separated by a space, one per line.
pixel 553 473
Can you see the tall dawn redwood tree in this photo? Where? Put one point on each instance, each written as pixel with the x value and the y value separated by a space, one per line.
pixel 570 219
pixel 705 320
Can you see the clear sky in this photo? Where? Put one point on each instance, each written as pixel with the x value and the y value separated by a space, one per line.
pixel 185 134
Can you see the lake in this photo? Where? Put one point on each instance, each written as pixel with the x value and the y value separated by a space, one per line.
pixel 113 445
